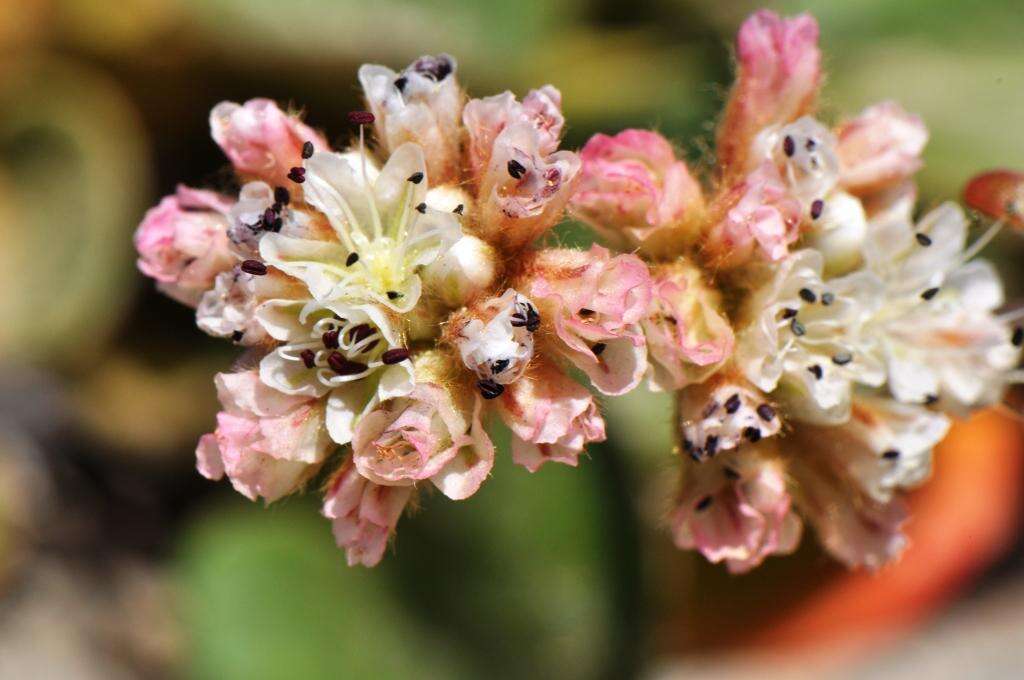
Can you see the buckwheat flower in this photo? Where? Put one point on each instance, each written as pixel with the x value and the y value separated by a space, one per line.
pixel 779 69
pixel 334 352
pixel 523 191
pixel 594 303
pixel 261 140
pixel 633 188
pixel 363 514
pixel 736 509
pixel 183 244
pixel 722 414
pixel 759 218
pixel 552 418
pixel 385 230
pixel 804 152
pixel 424 436
pixel 486 118
pixel 266 442
pixel 495 337
pixel 228 310
pixel 688 335
pixel 804 333
pixel 422 104
pixel 880 147
pixel 999 194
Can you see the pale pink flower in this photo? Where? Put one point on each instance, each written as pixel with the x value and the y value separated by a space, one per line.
pixel 552 417
pixel 261 140
pixel 736 509
pixel 486 118
pixel 183 243
pixel 594 302
pixel 228 309
pixel 760 219
pixel 423 436
pixel 688 336
pixel 777 81
pixel 363 514
pixel 523 191
pixel 266 442
pixel 632 186
pixel 879 148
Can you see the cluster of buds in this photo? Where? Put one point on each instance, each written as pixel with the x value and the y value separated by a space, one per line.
pixel 817 337
pixel 395 298
pixel 398 296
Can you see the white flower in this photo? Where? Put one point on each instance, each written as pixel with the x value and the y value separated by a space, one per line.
pixel 804 335
pixel 805 153
pixel 497 343
pixel 936 331
pixel 386 231
pixel 720 417
pixel 227 310
pixel 333 350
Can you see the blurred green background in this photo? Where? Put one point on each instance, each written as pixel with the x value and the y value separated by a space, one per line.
pixel 117 560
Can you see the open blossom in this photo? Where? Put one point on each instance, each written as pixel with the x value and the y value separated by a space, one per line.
pixel 266 442
pixel 632 187
pixel 261 140
pixel 551 416
pixel 363 514
pixel 183 242
pixel 594 302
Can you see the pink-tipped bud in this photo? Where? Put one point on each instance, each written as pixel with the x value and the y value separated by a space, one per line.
pixel 999 194
pixel 880 148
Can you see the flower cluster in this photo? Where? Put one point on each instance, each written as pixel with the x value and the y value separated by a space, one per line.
pixel 818 336
pixel 394 297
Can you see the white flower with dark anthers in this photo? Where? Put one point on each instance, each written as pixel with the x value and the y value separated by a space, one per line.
pixel 496 342
pixel 805 334
pixel 721 415
pixel 227 310
pixel 332 350
pixel 385 230
pixel 936 331
pixel 805 153
pixel 423 104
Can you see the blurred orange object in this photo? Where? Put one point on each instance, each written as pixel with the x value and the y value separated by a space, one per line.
pixel 998 194
pixel 964 518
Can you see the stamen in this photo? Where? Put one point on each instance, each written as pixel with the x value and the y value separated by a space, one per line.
pixel 797 327
pixel 891 454
pixel 489 389
pixel 330 339
pixel 499 365
pixel 342 366
pixel 282 196
pixel 416 177
pixel 421 208
pixel 827 298
pixel 842 358
pixel 788 146
pixel 458 209
pixel 766 412
pixel 752 434
pixel 732 404
pixel 237 336
pixel 360 333
pixel 254 267
pixel 930 293
pixel 584 312
pixel 400 83
pixel 308 357
pixel 816 371
pixel 393 294
pixel 394 356
pixel 516 169
pixel 711 445
pixel 788 313
pixel 710 409
pixel 982 241
pixel 931 399
pixel 360 117
pixel 307 149
pixel 808 295
pixel 1018 337
pixel 703 504
pixel 351 259
pixel 297 175
pixel 597 348
pixel 924 239
pixel 817 207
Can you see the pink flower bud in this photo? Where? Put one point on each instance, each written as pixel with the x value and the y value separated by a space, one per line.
pixel 552 417
pixel 183 243
pixel 266 442
pixel 736 509
pixel 631 186
pixel 779 69
pixel 261 140
pixel 523 192
pixel 364 514
pixel 594 303
pixel 688 336
pixel 760 219
pixel 423 436
pixel 879 148
pixel 422 104
pixel 486 118
pixel 999 194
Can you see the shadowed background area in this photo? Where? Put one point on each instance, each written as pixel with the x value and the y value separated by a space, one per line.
pixel 118 560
